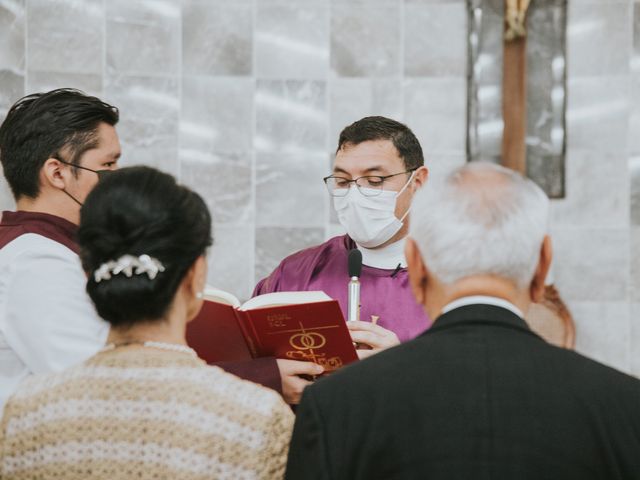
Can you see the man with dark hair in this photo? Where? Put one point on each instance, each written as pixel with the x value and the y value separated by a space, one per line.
pixel 53 148
pixel 378 168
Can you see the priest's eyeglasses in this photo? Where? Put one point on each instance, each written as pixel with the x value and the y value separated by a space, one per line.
pixel 369 185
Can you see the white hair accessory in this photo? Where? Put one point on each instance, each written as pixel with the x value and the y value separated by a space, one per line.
pixel 129 265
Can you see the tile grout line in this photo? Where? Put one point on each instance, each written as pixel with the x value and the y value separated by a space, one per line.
pixel 180 75
pixel 402 48
pixel 103 76
pixel 254 160
pixel 635 6
pixel 26 48
pixel 326 205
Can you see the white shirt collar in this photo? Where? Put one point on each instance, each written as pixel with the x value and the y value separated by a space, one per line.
pixel 388 257
pixel 482 299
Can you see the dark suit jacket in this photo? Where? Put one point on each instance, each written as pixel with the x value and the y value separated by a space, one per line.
pixel 478 396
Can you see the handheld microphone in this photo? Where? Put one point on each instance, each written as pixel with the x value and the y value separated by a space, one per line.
pixel 395 272
pixel 355 268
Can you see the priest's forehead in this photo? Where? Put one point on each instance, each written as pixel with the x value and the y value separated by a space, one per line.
pixel 373 157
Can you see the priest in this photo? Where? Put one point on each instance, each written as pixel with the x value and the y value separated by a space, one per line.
pixel 379 166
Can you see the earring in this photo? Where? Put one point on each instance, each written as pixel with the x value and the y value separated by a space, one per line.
pixel 200 295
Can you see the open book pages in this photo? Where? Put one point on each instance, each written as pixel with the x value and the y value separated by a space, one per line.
pixel 220 296
pixel 266 300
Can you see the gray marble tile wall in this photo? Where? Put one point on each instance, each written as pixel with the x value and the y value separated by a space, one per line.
pixel 12 67
pixel 591 226
pixel 633 183
pixel 244 100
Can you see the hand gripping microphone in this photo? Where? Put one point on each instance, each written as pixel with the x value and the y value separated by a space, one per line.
pixel 355 268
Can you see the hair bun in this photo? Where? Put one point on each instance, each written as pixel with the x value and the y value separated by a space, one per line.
pixel 140 211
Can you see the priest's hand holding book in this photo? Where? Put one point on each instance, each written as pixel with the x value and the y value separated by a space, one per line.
pixel 371 338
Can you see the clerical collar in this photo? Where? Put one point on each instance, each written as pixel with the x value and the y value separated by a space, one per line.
pixel 482 299
pixel 387 258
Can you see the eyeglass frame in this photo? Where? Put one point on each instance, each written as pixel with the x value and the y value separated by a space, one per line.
pixel 383 178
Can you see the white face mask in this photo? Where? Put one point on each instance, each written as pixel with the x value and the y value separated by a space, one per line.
pixel 369 221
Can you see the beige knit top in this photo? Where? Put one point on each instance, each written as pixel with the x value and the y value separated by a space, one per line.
pixel 143 413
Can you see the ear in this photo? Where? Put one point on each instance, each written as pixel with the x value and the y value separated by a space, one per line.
pixel 53 174
pixel 536 290
pixel 420 177
pixel 418 275
pixel 192 285
pixel 196 276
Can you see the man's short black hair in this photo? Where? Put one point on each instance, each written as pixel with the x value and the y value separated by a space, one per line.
pixel 382 128
pixel 40 125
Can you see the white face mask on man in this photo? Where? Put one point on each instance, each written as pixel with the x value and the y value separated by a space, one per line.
pixel 370 220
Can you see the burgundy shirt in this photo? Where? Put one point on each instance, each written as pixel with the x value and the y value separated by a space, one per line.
pixel 15 224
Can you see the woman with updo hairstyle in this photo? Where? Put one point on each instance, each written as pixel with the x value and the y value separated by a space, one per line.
pixel 145 407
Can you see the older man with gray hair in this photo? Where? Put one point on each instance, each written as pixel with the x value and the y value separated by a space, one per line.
pixel 479 395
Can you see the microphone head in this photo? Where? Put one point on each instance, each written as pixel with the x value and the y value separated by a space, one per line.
pixel 355 262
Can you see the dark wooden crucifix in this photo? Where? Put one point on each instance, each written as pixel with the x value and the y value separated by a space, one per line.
pixel 514 86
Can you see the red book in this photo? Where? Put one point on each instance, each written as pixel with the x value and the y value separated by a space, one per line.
pixel 306 326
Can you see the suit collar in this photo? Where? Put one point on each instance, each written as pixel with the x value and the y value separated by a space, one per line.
pixel 483 299
pixel 480 314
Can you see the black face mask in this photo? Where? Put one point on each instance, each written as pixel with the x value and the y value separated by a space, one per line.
pixel 101 174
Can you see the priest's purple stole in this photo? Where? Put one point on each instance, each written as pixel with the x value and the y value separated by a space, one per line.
pixel 385 294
